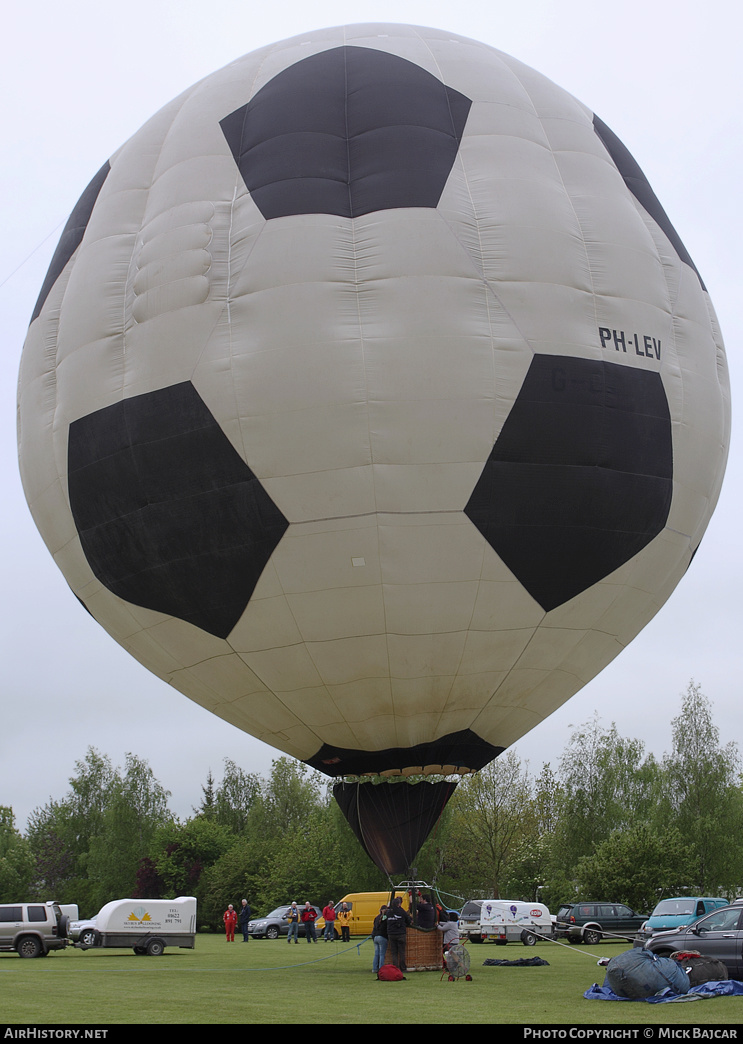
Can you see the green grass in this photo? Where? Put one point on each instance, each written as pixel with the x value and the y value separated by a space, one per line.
pixel 271 982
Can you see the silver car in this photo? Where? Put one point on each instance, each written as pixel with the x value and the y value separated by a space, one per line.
pixel 32 929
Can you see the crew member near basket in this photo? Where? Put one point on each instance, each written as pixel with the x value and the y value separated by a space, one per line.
pixel 398 922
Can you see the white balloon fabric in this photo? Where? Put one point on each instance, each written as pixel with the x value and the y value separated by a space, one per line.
pixel 372 400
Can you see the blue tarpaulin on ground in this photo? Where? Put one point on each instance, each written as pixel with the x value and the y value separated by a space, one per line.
pixel 706 990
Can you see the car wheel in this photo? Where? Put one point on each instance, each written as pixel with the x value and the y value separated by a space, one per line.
pixel 591 937
pixel 272 932
pixel 155 948
pixel 476 938
pixel 528 938
pixel 501 942
pixel 89 937
pixel 64 927
pixel 29 946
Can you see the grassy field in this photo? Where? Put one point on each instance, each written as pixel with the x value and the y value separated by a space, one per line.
pixel 270 982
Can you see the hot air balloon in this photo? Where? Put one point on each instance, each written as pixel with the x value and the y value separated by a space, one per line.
pixel 373 401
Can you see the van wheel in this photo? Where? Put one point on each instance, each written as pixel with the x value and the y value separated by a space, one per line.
pixel 528 939
pixel 28 946
pixel 155 948
pixel 140 950
pixel 591 937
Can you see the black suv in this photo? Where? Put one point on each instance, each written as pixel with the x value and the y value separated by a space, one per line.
pixel 592 922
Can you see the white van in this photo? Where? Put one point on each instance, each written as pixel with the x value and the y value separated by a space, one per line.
pixel 147 925
pixel 503 921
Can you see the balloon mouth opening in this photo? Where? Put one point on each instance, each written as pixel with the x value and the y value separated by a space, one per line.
pixel 458 753
pixel 410 773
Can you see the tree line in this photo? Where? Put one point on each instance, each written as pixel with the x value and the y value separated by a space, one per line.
pixel 609 822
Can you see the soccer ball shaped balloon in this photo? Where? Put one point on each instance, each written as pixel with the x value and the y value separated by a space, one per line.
pixel 372 400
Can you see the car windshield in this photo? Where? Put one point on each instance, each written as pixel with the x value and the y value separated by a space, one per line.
pixel 674 908
pixel 280 911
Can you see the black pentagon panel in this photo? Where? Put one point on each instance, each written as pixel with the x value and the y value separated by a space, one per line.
pixel 72 235
pixel 640 188
pixel 464 749
pixel 580 478
pixel 169 515
pixel 348 131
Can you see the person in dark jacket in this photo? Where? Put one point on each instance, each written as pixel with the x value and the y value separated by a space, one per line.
pixel 398 922
pixel 426 914
pixel 379 937
pixel 245 914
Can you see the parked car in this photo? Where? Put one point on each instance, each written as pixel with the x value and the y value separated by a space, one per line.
pixel 590 922
pixel 719 934
pixel 83 931
pixel 677 913
pixel 275 923
pixel 32 929
pixel 469 920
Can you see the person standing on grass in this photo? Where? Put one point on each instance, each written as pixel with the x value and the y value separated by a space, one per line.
pixel 329 915
pixel 292 916
pixel 245 914
pixel 344 920
pixel 230 922
pixel 398 922
pixel 309 915
pixel 379 938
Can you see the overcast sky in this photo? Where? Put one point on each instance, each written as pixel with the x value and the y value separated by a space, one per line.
pixel 79 78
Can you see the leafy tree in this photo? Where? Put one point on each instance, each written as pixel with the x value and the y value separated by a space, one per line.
pixel 236 796
pixel 703 796
pixel 549 798
pixel 61 833
pixel 241 872
pixel 491 812
pixel 286 800
pixel 636 866
pixel 89 843
pixel 137 805
pixel 16 860
pixel 607 785
pixel 180 852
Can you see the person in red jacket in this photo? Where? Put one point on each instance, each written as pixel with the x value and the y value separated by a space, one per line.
pixel 309 915
pixel 329 915
pixel 230 922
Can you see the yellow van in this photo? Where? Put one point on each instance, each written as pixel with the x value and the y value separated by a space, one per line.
pixel 364 907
